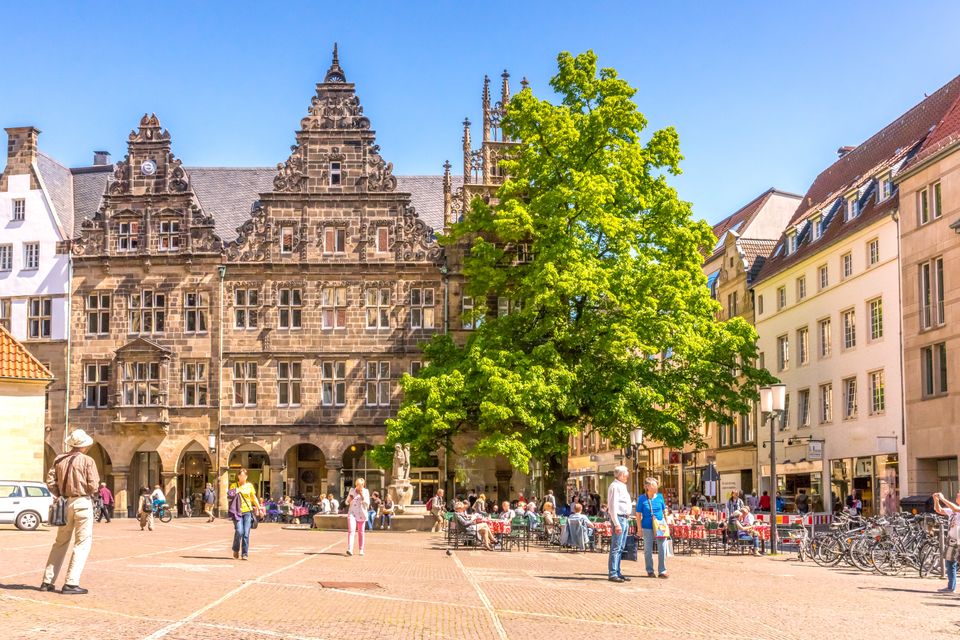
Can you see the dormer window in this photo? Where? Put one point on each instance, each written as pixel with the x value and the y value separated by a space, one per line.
pixel 852 209
pixel 336 174
pixel 815 229
pixel 792 242
pixel 884 188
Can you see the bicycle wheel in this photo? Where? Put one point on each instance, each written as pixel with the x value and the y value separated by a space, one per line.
pixel 861 554
pixel 165 515
pixel 828 552
pixel 931 564
pixel 886 558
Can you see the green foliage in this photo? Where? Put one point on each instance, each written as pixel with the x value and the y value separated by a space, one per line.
pixel 614 327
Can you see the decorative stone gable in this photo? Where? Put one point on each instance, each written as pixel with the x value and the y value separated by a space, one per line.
pixel 149 207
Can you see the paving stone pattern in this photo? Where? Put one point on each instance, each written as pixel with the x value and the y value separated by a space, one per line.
pixel 181 582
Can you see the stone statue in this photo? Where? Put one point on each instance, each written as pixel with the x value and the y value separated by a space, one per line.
pixel 401 463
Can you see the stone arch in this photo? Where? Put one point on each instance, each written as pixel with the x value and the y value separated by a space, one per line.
pixel 194 470
pixel 104 463
pixel 305 471
pixel 256 460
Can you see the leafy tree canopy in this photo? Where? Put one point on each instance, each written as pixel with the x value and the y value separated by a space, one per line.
pixel 611 324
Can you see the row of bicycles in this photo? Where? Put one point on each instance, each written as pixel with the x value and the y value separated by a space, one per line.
pixel 889 545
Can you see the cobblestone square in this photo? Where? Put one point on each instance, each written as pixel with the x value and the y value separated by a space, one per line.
pixel 180 581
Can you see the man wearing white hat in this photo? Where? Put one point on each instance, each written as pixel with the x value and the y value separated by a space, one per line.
pixel 74 476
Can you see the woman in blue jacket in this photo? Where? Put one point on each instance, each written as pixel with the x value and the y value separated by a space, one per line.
pixel 650 505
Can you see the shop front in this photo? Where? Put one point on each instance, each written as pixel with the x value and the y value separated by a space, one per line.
pixel 794 477
pixel 873 479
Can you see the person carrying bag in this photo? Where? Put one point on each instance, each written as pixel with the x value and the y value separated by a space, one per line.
pixel 651 520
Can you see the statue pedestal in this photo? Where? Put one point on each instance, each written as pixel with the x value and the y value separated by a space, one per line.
pixel 401 492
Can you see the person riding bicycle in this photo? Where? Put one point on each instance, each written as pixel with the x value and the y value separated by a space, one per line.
pixel 158 497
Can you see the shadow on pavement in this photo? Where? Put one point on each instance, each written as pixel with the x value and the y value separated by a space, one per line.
pixel 208 557
pixel 926 591
pixel 19 587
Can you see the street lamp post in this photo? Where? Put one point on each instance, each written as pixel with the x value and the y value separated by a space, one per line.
pixel 772 399
pixel 636 444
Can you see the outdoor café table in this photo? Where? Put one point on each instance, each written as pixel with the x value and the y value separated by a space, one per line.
pixel 764 531
pixel 500 529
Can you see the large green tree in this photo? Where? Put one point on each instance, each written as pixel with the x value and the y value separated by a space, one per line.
pixel 612 326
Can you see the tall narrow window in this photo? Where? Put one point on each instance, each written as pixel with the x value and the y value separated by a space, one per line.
pixel 783 353
pixel 246 308
pixel 846 265
pixel 6 257
pixel 801 288
pixel 245 384
pixel 786 411
pixel 169 239
pixel 31 255
pixel 128 236
pixel 877 398
pixel 781 297
pixel 19 209
pixel 732 305
pixel 289 379
pixel 147 312
pixel 933 363
pixel 194 384
pixel 852 209
pixel 468 319
pixel 334 240
pixel 383 239
pixel 923 207
pixel 421 308
pixel 40 312
pixel 931 293
pixel 803 408
pixel 826 337
pixel 286 239
pixel 803 346
pixel 935 201
pixel 333 384
pixel 824 273
pixel 815 229
pixel 336 174
pixel 849 329
pixel 98 314
pixel 5 307
pixel 760 305
pixel 378 308
pixel 876 318
pixel 291 309
pixel 826 403
pixel 96 384
pixel 140 382
pixel 849 398
pixel 333 307
pixel 378 383
pixel 873 252
pixel 885 189
pixel 195 311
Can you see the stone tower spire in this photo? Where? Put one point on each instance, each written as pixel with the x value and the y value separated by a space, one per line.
pixel 466 151
pixel 335 73
pixel 504 88
pixel 486 108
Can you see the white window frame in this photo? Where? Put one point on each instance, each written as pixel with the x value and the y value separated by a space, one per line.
pixel 168 239
pixel 128 236
pixel 140 384
pixel 195 383
pixel 377 307
pixel 848 323
pixel 289 383
pixel 333 308
pixel 849 398
pixel 246 308
pixel 378 385
pixel 781 297
pixel 934 372
pixel 825 337
pixel 932 291
pixel 336 174
pixel 826 403
pixel 422 308
pixel 873 252
pixel 6 257
pixel 147 305
pixel 801 288
pixel 783 352
pixel 877 390
pixel 846 266
pixel 875 314
pixel 97 308
pixel 803 408
pixel 823 276
pixel 19 212
pixel 245 383
pixel 287 240
pixel 290 308
pixel 96 384
pixel 39 318
pixel 803 346
pixel 31 256
pixel 333 383
pixel 334 240
pixel 195 318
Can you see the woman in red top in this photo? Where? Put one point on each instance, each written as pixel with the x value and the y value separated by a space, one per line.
pixel 765 502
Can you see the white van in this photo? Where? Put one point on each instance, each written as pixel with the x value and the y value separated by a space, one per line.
pixel 24 503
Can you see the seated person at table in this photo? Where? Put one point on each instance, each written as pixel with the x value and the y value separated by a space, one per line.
pixel 506 513
pixel 531 515
pixel 549 518
pixel 745 524
pixel 585 524
pixel 480 505
pixel 695 515
pixel 480 529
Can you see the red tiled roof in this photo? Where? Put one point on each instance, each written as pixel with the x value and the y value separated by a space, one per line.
pixel 900 140
pixel 946 133
pixel 17 363
pixel 743 216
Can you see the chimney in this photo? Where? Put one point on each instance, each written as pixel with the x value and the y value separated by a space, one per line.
pixel 842 151
pixel 101 158
pixel 21 154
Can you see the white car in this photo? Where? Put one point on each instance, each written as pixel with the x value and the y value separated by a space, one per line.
pixel 24 503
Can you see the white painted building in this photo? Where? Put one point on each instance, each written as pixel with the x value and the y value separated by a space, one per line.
pixel 828 309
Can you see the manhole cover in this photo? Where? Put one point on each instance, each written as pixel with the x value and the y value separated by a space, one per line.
pixel 349 585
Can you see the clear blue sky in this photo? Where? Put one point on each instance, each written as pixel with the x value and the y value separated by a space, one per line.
pixel 762 93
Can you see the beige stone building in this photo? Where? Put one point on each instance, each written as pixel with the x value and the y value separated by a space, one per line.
pixel 929 187
pixel 23 385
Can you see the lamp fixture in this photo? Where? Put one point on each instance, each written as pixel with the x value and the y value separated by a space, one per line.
pixel 212 441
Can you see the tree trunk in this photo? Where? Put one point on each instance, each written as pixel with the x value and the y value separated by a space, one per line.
pixel 555 477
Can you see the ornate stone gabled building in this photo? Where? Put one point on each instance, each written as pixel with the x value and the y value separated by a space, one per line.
pixel 254 317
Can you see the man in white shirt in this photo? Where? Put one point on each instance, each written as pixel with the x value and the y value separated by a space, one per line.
pixel 620 506
pixel 325 505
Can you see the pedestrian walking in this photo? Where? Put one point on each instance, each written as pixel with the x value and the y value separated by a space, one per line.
pixel 952 549
pixel 438 509
pixel 73 476
pixel 185 506
pixel 618 499
pixel 145 509
pixel 106 502
pixel 209 498
pixel 247 508
pixel 650 514
pixel 358 503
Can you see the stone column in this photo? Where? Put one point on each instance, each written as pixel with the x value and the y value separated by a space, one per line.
pixel 278 485
pixel 168 480
pixel 333 477
pixel 120 496
pixel 224 482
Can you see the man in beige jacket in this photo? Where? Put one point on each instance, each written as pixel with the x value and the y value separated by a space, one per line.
pixel 74 476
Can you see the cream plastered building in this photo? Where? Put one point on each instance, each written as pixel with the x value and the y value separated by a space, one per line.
pixel 828 318
pixel 23 383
